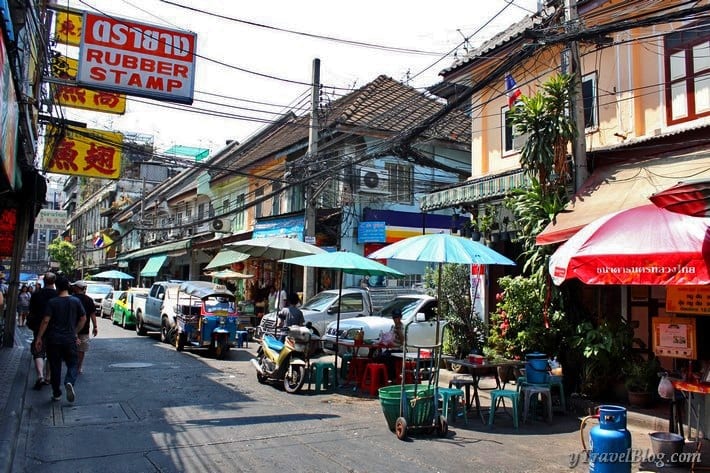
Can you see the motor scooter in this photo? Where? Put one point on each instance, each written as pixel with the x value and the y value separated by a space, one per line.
pixel 287 360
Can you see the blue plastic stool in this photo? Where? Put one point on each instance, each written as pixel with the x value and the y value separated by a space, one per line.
pixel 448 396
pixel 324 376
pixel 499 395
pixel 242 339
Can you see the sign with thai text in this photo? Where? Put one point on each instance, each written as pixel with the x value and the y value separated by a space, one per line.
pixel 688 300
pixel 79 97
pixel 675 337
pixel 50 219
pixel 371 232
pixel 67 26
pixel 137 58
pixel 8 223
pixel 83 152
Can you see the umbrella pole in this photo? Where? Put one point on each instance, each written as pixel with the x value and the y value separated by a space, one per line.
pixel 337 327
pixel 440 346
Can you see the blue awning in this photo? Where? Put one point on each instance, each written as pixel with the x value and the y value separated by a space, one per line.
pixel 153 265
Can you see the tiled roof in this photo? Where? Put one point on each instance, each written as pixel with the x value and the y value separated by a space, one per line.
pixel 384 106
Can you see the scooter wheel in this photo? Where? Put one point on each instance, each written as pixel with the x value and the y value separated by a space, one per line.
pixel 400 428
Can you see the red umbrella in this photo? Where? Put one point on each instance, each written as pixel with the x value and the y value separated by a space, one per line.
pixel 690 197
pixel 642 245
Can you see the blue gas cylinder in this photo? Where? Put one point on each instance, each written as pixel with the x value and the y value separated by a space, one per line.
pixel 610 442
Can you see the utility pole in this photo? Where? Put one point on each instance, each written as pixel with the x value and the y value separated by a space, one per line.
pixel 580 142
pixel 309 230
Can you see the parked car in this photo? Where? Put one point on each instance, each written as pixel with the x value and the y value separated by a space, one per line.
pixel 159 312
pixel 98 291
pixel 374 326
pixel 322 308
pixel 128 304
pixel 108 302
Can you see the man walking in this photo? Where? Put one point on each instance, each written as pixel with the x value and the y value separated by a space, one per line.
pixel 90 310
pixel 38 306
pixel 62 322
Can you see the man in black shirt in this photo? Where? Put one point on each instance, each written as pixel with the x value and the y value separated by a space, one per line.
pixel 63 319
pixel 38 306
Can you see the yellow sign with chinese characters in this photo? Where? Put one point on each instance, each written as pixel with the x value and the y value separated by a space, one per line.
pixel 83 152
pixel 79 97
pixel 67 26
pixel 688 300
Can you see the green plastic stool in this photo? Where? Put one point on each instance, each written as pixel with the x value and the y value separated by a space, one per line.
pixel 324 376
pixel 450 397
pixel 345 366
pixel 499 395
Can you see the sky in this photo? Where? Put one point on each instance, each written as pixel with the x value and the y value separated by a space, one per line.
pixel 254 73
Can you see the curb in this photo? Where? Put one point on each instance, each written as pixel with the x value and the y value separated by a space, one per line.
pixel 11 419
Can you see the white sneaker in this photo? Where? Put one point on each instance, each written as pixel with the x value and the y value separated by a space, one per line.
pixel 71 395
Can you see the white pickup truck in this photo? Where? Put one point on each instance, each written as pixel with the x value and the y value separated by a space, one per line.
pixel 322 309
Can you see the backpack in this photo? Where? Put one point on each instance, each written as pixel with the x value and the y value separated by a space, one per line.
pixel 33 322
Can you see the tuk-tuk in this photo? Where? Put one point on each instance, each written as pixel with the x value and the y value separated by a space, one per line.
pixel 206 316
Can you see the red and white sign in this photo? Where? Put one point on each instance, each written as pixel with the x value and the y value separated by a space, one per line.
pixel 137 59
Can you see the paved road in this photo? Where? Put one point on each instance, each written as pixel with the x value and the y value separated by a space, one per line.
pixel 143 407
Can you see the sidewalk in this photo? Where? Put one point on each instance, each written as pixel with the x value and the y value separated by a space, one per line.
pixel 14 369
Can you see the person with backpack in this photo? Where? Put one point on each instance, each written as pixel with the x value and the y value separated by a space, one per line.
pixel 38 305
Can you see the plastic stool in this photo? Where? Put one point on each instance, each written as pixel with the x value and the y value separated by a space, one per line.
pixel 242 339
pixel 531 391
pixel 465 381
pixel 556 381
pixel 345 364
pixel 499 395
pixel 452 395
pixel 409 368
pixel 325 376
pixel 356 370
pixel 374 378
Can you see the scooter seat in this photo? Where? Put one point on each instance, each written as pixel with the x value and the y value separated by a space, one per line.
pixel 273 343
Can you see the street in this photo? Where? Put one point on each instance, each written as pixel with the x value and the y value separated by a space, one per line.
pixel 143 407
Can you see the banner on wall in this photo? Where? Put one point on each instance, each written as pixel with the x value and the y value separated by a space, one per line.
pixel 9 116
pixel 74 96
pixel 8 223
pixel 137 58
pixel 688 300
pixel 83 152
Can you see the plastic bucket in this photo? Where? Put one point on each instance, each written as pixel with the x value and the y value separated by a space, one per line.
pixel 666 443
pixel 419 414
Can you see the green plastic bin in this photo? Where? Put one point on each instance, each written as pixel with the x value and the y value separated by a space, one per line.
pixel 419 412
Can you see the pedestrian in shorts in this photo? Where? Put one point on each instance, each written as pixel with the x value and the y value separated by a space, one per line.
pixel 87 302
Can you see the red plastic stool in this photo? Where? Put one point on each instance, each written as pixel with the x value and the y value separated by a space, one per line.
pixel 374 378
pixel 356 370
pixel 409 368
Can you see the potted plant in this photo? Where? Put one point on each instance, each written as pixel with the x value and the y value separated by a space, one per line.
pixel 641 381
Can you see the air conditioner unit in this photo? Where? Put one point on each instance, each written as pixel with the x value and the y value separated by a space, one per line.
pixel 373 180
pixel 223 225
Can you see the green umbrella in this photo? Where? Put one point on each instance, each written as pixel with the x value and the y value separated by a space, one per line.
pixel 344 262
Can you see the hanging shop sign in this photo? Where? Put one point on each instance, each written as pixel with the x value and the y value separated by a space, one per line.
pixel 137 58
pixel 8 222
pixel 9 116
pixel 83 152
pixel 79 97
pixel 67 26
pixel 688 300
pixel 50 219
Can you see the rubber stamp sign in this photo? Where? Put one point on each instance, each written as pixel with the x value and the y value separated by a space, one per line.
pixel 137 59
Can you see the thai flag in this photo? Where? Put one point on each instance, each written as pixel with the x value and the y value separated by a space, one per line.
pixel 511 90
pixel 99 242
